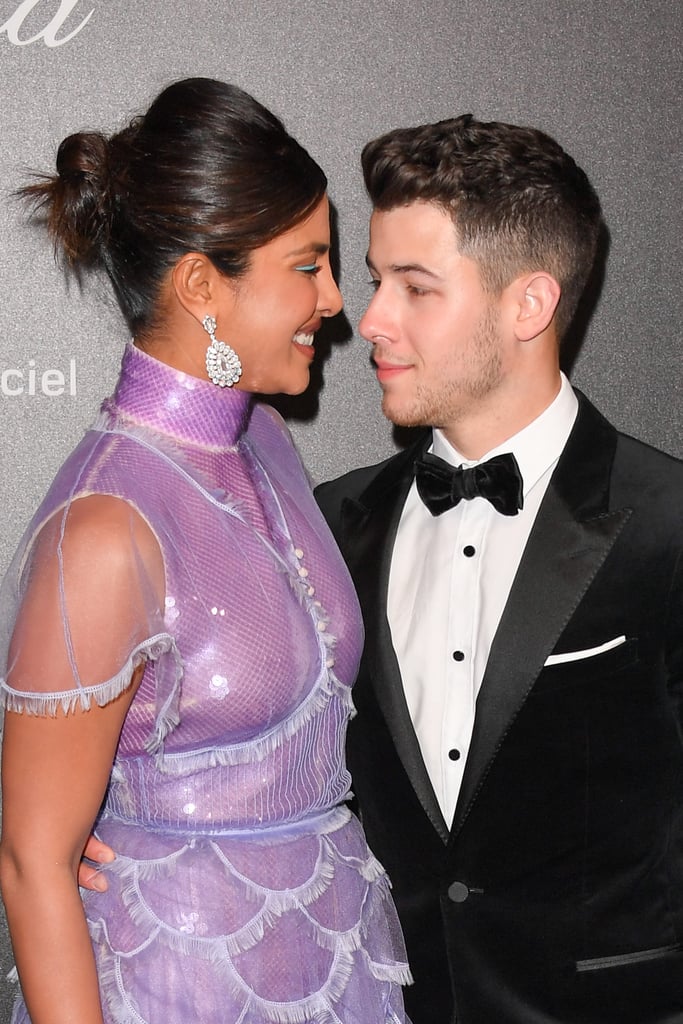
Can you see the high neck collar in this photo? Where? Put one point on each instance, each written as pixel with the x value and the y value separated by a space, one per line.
pixel 156 395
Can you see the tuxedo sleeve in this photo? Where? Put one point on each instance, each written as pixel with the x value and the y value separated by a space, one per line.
pixel 674 634
pixel 329 503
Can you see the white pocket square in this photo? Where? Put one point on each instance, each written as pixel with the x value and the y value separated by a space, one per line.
pixel 588 652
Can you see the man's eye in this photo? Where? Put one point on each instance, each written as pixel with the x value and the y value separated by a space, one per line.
pixel 414 290
pixel 374 283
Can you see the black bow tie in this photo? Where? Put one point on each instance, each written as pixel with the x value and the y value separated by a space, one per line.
pixel 441 486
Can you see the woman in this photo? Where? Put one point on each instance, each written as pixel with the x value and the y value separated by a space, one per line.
pixel 183 633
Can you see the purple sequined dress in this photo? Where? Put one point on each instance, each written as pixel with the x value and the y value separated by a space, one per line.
pixel 243 891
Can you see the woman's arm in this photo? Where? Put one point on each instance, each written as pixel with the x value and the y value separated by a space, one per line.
pixel 55 769
pixel 55 772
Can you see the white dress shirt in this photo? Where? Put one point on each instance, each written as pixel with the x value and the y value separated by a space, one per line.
pixel 449 582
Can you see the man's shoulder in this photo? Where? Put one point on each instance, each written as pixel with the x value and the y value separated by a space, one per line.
pixel 353 484
pixel 646 475
pixel 640 476
pixel 645 454
pixel 630 452
pixel 355 481
pixel 360 482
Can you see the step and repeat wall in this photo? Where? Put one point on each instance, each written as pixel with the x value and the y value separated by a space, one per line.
pixel 604 79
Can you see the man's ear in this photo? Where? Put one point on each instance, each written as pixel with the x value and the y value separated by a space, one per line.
pixel 196 283
pixel 535 297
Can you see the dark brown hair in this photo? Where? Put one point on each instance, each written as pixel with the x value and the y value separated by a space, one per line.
pixel 517 200
pixel 207 169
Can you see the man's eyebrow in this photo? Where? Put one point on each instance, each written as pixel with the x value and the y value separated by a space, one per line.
pixel 318 247
pixel 405 268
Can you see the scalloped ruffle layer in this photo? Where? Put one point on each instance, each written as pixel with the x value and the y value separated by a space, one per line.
pixel 283 928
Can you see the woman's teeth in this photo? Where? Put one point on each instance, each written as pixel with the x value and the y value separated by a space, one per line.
pixel 303 339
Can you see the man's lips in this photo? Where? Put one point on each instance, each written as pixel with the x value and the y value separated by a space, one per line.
pixel 387 371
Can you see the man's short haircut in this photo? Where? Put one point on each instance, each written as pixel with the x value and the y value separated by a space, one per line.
pixel 518 202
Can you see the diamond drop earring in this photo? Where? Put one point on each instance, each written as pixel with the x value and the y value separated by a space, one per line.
pixel 222 362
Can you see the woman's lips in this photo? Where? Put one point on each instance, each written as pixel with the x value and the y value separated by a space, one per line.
pixel 303 342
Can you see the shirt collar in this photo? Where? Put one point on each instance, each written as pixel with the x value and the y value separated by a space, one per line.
pixel 536 447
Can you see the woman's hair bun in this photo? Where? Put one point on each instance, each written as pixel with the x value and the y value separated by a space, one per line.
pixel 77 200
pixel 83 157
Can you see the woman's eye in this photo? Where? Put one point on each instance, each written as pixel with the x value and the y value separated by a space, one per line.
pixel 309 268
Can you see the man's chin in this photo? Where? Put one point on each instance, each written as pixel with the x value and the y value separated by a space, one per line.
pixel 400 416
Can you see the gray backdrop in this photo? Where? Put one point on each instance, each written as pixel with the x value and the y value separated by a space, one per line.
pixel 603 77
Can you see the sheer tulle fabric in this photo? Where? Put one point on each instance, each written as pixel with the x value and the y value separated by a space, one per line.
pixel 243 889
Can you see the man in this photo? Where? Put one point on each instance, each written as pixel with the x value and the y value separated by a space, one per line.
pixel 517 755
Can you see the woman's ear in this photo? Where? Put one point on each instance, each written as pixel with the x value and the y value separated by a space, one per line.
pixel 536 296
pixel 196 283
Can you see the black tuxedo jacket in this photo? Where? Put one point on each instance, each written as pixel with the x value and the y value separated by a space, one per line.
pixel 555 896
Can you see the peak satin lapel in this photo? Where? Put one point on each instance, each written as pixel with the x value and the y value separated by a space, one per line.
pixel 560 561
pixel 368 531
pixel 572 536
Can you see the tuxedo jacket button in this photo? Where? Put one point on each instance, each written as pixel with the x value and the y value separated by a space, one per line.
pixel 458 892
